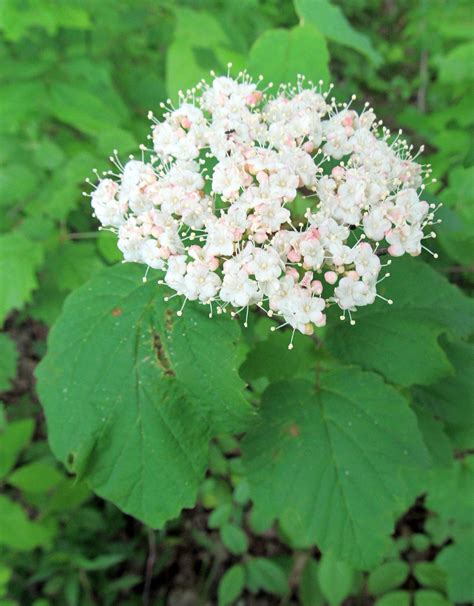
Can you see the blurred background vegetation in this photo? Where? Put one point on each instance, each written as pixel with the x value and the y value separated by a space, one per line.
pixel 77 79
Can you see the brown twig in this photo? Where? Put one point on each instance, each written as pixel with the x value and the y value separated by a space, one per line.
pixel 150 564
pixel 423 72
pixel 300 559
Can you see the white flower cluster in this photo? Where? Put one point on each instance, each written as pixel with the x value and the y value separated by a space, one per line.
pixel 277 201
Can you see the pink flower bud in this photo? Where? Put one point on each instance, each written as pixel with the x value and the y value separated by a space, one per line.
pixel 395 251
pixel 330 277
pixel 294 256
pixel 321 321
pixel 312 234
pixel 306 280
pixel 195 251
pixel 292 273
pixel 260 237
pixel 213 263
pixel 248 180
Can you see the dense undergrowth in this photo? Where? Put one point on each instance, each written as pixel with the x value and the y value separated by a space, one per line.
pixel 77 79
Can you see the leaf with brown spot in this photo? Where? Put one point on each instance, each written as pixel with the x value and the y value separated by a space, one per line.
pixel 137 401
pixel 344 480
pixel 163 359
pixel 294 430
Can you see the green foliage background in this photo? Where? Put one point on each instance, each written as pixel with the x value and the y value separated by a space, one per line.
pixel 76 81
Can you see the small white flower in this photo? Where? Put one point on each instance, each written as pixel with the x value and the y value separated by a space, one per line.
pixel 265 264
pixel 376 223
pixel 367 264
pixel 108 209
pixel 239 290
pixel 200 282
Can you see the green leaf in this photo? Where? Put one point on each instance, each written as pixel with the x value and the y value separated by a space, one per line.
pixel 306 458
pixel 430 574
pixel 336 579
pixel 8 360
pixel 387 576
pixel 48 154
pixel 218 464
pixel 234 538
pixel 428 597
pixel 215 492
pixel 136 422
pixel 309 590
pixel 271 359
pixel 457 480
pixel 460 191
pixel 82 109
pixel 220 516
pixel 394 598
pixel 231 585
pixel 19 260
pixel 192 56
pixel 101 562
pixel 68 495
pixel 456 235
pixel 17 19
pixel 456 65
pixel 5 575
pixel 279 55
pixel 21 101
pixel 35 477
pixel 116 138
pixel 265 575
pixel 123 583
pixel 17 531
pixel 435 438
pixel 456 232
pixel 456 561
pixel 401 340
pixel 242 492
pixel 17 182
pixel 331 22
pixel 13 440
pixel 438 529
pixel 72 263
pixel 419 541
pixel 67 266
pixel 61 193
pixel 439 399
pixel 107 246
